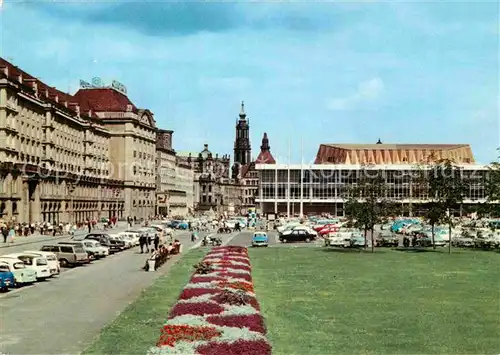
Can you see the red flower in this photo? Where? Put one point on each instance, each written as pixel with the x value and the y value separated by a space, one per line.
pixel 239 347
pixel 235 275
pixel 240 267
pixel 254 322
pixel 237 285
pixel 170 334
pixel 196 309
pixel 195 292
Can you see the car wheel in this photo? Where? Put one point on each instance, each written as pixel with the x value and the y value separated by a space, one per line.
pixel 63 262
pixel 308 240
pixel 283 240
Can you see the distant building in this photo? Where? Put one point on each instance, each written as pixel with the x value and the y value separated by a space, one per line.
pixel 317 188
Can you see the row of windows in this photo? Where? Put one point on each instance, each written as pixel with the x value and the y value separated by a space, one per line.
pixel 339 191
pixel 351 176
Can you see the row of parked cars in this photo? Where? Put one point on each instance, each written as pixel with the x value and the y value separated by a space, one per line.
pixel 19 269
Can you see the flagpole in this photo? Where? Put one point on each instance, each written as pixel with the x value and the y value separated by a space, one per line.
pixel 288 179
pixel 276 188
pixel 301 177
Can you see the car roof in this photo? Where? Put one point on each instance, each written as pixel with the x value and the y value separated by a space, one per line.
pixel 39 252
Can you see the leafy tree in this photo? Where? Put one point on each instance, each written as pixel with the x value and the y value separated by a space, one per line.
pixel 366 203
pixel 493 182
pixel 446 189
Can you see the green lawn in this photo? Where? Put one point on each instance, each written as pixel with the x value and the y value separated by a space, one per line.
pixel 329 302
pixel 138 327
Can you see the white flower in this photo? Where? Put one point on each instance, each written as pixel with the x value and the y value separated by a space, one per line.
pixel 197 299
pixel 244 310
pixel 232 334
pixel 201 285
pixel 180 348
pixel 189 319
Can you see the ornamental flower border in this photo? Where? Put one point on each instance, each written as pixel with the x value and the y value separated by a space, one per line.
pixel 217 313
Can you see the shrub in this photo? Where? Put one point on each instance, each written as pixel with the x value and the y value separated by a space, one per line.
pixel 203 268
pixel 238 298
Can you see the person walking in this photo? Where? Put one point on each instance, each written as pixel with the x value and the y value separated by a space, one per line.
pixel 156 241
pixel 5 233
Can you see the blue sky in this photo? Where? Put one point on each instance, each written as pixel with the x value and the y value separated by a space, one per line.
pixel 418 72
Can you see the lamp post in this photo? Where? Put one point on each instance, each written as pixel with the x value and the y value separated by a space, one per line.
pixel 71 188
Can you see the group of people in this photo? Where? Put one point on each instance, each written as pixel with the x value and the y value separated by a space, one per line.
pixel 162 253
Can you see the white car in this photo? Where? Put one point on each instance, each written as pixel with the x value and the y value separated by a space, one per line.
pixel 130 239
pixel 36 263
pixel 54 267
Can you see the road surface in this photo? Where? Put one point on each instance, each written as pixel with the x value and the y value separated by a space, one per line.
pixel 63 315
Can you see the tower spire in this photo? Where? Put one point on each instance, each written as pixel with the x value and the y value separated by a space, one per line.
pixel 242 111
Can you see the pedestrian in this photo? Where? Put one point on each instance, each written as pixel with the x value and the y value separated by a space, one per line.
pixel 5 233
pixel 193 236
pixel 157 241
pixel 142 242
pixel 89 225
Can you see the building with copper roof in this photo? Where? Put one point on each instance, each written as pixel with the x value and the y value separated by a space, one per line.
pixel 381 153
pixel 73 157
pixel 301 189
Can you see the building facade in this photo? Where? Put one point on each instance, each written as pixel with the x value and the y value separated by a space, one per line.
pixel 73 157
pixel 318 188
pixel 55 159
pixel 166 162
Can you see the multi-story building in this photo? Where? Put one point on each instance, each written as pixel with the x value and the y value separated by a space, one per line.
pixel 54 155
pixel 210 172
pixel 166 170
pixel 184 182
pixel 298 189
pixel 73 157
pixel 132 145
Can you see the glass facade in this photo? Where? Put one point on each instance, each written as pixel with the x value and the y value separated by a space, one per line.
pixel 322 185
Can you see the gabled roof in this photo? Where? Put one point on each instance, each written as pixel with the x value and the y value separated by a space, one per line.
pixel 104 100
pixel 265 157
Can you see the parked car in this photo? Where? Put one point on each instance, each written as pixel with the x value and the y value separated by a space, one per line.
pixel 22 275
pixel 387 239
pixel 7 279
pixel 92 247
pixel 105 240
pixel 68 255
pixel 260 239
pixel 338 240
pixel 297 235
pixel 52 261
pixel 36 263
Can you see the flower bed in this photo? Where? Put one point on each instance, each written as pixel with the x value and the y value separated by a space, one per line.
pixel 217 312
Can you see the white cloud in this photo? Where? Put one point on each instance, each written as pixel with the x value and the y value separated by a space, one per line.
pixel 367 91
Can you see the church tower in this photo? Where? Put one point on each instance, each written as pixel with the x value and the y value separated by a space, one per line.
pixel 242 147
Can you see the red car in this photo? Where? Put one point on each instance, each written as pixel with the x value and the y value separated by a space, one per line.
pixel 331 228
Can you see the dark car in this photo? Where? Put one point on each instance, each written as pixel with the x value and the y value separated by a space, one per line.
pixel 387 240
pixel 103 238
pixel 298 235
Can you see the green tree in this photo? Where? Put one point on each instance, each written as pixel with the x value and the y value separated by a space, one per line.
pixel 366 204
pixel 493 182
pixel 446 189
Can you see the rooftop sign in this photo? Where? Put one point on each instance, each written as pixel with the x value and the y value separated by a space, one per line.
pixel 97 83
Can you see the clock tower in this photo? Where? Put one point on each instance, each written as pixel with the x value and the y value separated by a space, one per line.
pixel 242 147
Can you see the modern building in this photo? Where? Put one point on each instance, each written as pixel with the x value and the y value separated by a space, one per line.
pixel 166 162
pixel 184 182
pixel 298 189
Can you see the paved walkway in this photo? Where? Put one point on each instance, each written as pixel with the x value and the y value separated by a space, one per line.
pixel 62 316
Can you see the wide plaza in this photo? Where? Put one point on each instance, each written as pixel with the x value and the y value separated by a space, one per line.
pixel 317 300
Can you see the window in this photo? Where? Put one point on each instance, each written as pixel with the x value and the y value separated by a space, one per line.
pixel 41 262
pixel 67 250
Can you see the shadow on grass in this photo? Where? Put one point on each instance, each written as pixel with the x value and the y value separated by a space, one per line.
pixel 420 250
pixel 352 250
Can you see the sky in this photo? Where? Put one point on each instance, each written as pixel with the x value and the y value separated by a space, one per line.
pixel 308 72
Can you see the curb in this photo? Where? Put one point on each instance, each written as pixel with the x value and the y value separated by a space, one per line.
pixel 10 245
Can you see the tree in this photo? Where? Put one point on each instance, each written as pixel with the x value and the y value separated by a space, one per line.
pixel 446 188
pixel 366 203
pixel 493 182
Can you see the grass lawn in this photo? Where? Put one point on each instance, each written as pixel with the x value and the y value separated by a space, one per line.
pixel 319 301
pixel 138 327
